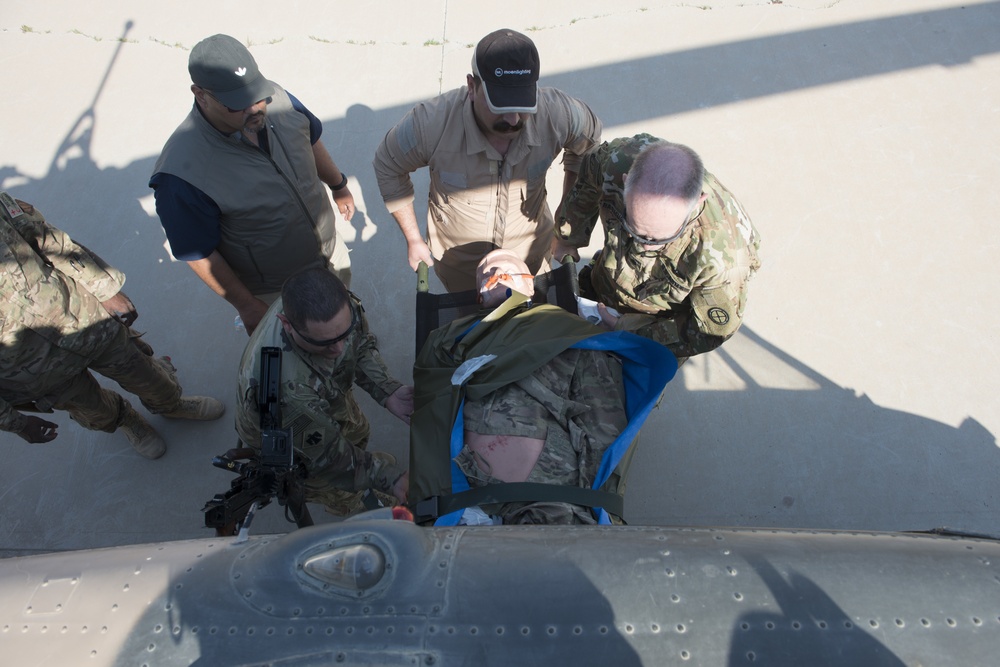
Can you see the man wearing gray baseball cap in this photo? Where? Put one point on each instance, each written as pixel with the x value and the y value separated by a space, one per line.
pixel 489 145
pixel 239 186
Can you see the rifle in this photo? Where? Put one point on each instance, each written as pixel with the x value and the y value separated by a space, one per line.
pixel 262 475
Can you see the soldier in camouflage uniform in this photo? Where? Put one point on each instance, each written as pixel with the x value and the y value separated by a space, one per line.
pixel 552 426
pixel 540 409
pixel 679 249
pixel 326 347
pixel 63 314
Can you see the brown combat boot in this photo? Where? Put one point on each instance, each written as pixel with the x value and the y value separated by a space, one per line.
pixel 141 435
pixel 201 408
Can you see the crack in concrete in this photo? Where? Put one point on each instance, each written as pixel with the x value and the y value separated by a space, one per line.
pixel 26 29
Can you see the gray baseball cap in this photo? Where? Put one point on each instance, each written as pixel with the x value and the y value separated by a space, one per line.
pixel 225 67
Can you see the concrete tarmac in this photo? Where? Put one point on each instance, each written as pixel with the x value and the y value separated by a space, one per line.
pixel 861 136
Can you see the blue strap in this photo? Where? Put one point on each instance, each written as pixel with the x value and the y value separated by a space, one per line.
pixel 647 367
pixel 458 481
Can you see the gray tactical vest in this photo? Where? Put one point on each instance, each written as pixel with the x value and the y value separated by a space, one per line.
pixel 276 214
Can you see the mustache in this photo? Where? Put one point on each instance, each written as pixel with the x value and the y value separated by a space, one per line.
pixel 506 128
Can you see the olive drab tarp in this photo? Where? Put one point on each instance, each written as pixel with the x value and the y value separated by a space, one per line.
pixel 475 355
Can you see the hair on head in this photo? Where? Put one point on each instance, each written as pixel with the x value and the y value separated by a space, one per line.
pixel 313 295
pixel 666 168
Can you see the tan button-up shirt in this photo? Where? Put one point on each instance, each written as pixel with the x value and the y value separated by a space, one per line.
pixel 480 200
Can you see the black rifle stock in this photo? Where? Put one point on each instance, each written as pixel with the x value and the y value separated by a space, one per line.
pixel 265 474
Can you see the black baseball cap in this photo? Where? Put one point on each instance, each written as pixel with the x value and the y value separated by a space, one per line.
pixel 507 62
pixel 222 65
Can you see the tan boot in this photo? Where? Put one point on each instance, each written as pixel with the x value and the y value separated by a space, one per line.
pixel 201 408
pixel 141 435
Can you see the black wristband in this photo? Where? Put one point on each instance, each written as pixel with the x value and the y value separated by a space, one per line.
pixel 341 185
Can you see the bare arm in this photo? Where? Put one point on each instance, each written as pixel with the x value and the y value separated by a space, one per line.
pixel 400 403
pixel 394 161
pixel 330 174
pixel 218 275
pixel 416 249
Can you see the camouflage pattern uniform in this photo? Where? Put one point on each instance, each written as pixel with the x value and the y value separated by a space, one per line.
pixel 53 328
pixel 329 430
pixel 575 403
pixel 535 377
pixel 688 295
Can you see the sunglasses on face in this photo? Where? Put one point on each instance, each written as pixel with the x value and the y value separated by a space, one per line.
pixel 330 341
pixel 645 241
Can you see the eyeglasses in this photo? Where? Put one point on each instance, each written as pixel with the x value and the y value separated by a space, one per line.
pixel 266 100
pixel 330 341
pixel 642 240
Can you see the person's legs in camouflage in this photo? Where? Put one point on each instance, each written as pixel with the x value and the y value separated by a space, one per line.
pixel 99 409
pixel 138 373
pixel 89 404
pixel 324 490
pixel 152 379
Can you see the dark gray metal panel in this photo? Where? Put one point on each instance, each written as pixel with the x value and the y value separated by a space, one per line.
pixel 511 595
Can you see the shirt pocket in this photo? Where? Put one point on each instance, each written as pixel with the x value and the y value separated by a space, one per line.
pixel 447 185
pixel 474 186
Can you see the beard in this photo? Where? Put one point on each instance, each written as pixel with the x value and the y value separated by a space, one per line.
pixel 254 123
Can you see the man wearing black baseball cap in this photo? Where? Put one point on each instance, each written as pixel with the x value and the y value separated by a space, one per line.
pixel 239 186
pixel 507 63
pixel 489 145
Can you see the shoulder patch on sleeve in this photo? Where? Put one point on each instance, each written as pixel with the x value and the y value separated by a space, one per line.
pixel 10 204
pixel 716 311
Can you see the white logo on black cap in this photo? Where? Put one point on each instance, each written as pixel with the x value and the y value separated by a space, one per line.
pixel 240 71
pixel 499 72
